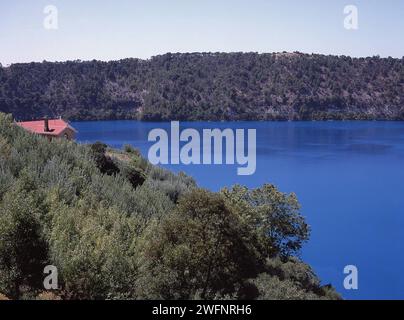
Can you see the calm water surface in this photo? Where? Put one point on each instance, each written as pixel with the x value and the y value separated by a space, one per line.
pixel 348 176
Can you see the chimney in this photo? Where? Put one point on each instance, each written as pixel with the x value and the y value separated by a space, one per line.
pixel 46 125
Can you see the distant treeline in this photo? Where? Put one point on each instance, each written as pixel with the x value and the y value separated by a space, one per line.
pixel 208 86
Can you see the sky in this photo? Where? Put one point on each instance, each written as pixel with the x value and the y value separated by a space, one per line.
pixel 116 29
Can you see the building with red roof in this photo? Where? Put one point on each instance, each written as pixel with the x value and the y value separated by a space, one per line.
pixel 51 128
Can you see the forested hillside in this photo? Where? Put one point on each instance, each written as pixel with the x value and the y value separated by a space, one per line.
pixel 117 227
pixel 208 86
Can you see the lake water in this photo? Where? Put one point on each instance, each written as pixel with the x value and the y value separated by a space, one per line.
pixel 348 176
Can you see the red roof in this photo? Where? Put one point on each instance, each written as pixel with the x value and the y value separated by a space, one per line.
pixel 56 126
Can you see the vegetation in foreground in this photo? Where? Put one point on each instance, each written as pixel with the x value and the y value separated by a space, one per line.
pixel 117 227
pixel 208 86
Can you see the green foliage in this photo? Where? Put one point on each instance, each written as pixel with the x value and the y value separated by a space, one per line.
pixel 104 163
pixel 291 279
pixel 172 185
pixel 94 249
pixel 208 86
pixel 272 288
pixel 55 198
pixel 117 227
pixel 23 252
pixel 199 249
pixel 273 216
pixel 130 149
pixel 294 270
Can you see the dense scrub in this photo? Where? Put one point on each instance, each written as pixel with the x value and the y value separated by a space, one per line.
pixel 117 227
pixel 208 86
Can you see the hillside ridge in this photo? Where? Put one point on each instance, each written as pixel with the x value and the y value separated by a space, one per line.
pixel 208 86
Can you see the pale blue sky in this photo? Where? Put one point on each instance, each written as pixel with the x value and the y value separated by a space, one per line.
pixel 109 30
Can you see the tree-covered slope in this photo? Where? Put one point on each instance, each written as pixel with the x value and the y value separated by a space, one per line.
pixel 208 86
pixel 117 227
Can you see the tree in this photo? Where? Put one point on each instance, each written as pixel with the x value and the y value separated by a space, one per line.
pixel 273 216
pixel 201 249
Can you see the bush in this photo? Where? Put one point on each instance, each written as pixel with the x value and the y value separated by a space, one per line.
pixel 23 251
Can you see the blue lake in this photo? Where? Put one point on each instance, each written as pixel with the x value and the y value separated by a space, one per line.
pixel 348 176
